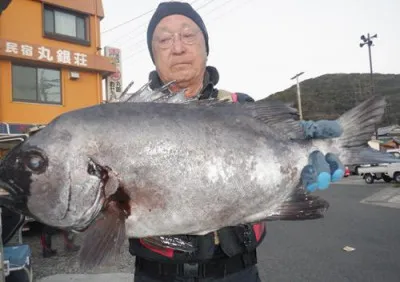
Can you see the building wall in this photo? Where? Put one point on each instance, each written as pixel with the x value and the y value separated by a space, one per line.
pixel 75 94
pixel 22 22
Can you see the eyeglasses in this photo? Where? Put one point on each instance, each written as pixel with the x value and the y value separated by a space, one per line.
pixel 165 40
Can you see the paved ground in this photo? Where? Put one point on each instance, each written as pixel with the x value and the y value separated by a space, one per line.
pixel 313 251
pixel 297 251
pixel 66 263
pixel 106 277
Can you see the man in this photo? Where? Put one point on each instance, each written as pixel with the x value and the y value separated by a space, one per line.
pixel 46 241
pixel 178 43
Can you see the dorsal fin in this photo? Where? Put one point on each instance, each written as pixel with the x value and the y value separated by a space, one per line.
pixel 146 94
pixel 279 116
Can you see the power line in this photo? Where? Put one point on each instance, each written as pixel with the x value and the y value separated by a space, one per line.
pixel 135 18
pixel 204 5
pixel 135 53
pixel 129 35
pixel 227 11
pixel 137 42
pixel 128 21
pixel 191 3
pixel 143 24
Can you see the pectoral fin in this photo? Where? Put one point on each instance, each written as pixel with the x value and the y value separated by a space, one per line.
pixel 301 206
pixel 104 238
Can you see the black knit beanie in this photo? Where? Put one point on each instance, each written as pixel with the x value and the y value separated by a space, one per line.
pixel 165 9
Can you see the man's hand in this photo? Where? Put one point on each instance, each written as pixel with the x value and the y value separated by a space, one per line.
pixel 321 129
pixel 321 170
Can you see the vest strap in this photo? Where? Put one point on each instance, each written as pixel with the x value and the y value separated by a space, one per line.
pixel 224 94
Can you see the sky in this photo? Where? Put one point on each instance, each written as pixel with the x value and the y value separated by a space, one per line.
pixel 259 45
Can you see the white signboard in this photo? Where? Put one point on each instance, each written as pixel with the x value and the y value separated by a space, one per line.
pixel 43 53
pixel 114 81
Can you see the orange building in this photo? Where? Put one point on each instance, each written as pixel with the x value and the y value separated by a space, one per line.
pixel 50 60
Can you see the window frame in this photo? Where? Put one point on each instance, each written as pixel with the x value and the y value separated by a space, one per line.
pixel 36 101
pixel 62 37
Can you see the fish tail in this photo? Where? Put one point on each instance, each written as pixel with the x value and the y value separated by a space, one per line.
pixel 359 125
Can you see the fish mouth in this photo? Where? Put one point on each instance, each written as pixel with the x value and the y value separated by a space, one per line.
pixel 11 199
pixel 92 213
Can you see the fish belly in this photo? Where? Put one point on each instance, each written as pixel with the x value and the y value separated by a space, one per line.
pixel 208 193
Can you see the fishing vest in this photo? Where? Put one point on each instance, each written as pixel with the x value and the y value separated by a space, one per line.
pixel 228 241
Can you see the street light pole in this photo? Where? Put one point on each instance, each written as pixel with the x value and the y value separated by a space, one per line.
pixel 298 93
pixel 368 40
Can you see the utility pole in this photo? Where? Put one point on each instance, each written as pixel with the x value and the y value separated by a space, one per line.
pixel 298 93
pixel 368 40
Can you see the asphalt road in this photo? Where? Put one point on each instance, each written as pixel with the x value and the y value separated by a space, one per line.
pixel 313 250
pixel 301 251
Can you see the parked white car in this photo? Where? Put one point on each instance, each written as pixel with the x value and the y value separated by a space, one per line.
pixel 387 172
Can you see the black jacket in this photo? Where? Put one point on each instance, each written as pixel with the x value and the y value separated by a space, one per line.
pixel 209 90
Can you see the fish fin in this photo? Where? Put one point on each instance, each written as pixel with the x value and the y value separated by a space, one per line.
pixel 177 98
pixel 278 116
pixel 301 206
pixel 146 94
pixel 211 102
pixel 139 94
pixel 106 174
pixel 112 183
pixel 171 242
pixel 104 238
pixel 359 125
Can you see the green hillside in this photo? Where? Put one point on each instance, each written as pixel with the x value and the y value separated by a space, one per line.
pixel 330 95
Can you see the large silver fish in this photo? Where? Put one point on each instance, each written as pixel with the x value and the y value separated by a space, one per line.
pixel 155 170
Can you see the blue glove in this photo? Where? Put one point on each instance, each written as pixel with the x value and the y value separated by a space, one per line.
pixel 321 170
pixel 321 129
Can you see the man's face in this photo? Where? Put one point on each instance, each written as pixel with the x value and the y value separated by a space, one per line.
pixel 179 50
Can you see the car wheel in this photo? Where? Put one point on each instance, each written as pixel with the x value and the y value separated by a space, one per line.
pixel 397 177
pixel 369 178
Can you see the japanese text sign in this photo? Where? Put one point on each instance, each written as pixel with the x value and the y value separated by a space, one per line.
pixel 43 53
pixel 114 81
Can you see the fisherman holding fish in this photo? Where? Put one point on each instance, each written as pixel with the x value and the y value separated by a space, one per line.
pixel 194 181
pixel 178 44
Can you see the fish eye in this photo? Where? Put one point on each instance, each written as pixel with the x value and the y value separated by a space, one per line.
pixel 35 161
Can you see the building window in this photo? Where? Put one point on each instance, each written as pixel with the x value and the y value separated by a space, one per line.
pixel 64 25
pixel 36 85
